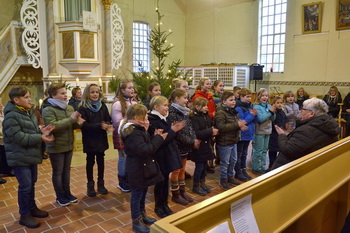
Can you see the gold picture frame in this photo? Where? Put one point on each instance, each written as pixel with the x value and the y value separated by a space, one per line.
pixel 312 17
pixel 342 14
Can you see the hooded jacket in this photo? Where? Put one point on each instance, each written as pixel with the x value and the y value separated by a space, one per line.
pixel 22 137
pixel 310 135
pixel 243 109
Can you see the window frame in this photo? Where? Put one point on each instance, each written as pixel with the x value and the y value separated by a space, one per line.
pixel 143 48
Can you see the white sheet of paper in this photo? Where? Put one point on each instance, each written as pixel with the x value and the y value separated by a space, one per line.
pixel 221 228
pixel 242 216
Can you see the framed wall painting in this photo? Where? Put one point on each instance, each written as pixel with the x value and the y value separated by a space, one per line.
pixel 312 17
pixel 342 14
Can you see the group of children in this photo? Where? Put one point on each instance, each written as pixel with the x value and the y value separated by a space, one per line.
pixel 153 142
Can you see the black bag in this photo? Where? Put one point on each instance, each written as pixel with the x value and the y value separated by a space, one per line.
pixel 151 172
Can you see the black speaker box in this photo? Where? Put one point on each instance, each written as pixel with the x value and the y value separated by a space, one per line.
pixel 256 72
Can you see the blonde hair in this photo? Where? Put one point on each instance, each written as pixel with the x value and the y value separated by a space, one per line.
pixel 86 94
pixel 244 92
pixel 177 82
pixel 176 93
pixel 157 101
pixel 119 94
pixel 274 100
pixel 259 94
pixel 335 100
pixel 305 93
pixel 288 94
pixel 215 84
pixel 150 88
pixel 134 112
pixel 201 83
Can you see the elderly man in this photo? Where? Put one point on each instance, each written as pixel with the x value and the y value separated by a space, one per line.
pixel 315 129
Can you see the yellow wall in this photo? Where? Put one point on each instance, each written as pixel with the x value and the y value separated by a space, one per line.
pixel 227 31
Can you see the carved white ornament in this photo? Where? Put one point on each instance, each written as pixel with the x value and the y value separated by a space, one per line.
pixel 117 37
pixel 30 35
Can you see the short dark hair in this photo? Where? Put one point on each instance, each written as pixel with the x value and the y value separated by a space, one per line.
pixel 19 91
pixel 226 95
pixel 75 90
pixel 54 87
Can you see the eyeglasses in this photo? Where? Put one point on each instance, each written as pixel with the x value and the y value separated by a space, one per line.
pixel 305 109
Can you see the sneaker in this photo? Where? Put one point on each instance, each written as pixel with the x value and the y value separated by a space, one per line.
pixel 241 177
pixel 232 181
pixel 244 172
pixel 258 172
pixel 62 200
pixel 38 213
pixel 124 187
pixel 2 181
pixel 70 197
pixel 224 184
pixel 29 221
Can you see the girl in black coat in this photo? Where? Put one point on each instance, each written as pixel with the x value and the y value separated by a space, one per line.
pixel 282 122
pixel 95 142
pixel 203 126
pixel 140 165
pixel 167 156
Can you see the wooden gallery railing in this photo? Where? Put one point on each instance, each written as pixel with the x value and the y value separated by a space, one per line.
pixel 310 194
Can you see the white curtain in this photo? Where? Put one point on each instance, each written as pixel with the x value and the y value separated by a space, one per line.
pixel 73 8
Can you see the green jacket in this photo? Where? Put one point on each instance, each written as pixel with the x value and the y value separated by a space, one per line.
pixel 22 137
pixel 63 131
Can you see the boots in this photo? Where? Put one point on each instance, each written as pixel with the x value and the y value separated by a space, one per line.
pixel 29 221
pixel 139 226
pixel 177 198
pixel 147 220
pixel 239 175
pixel 198 189
pixel 244 171
pixel 184 194
pixel 38 213
pixel 159 210
pixel 167 210
pixel 204 186
pixel 101 187
pixel 91 189
pixel 224 184
pixel 232 181
pixel 123 184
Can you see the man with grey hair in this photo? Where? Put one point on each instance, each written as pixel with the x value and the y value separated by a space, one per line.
pixel 315 129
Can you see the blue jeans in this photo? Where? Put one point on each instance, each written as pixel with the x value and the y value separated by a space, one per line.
pixel 228 158
pixel 121 163
pixel 199 171
pixel 137 202
pixel 26 177
pixel 60 163
pixel 260 148
pixel 242 152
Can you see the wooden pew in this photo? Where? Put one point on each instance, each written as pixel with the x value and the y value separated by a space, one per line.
pixel 310 194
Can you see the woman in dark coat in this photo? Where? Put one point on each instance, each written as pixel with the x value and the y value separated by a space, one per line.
pixel 315 130
pixel 167 156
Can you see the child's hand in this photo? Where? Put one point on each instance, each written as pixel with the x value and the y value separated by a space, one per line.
pixel 241 123
pixel 215 131
pixel 80 120
pixel 243 128
pixel 254 111
pixel 158 131
pixel 273 108
pixel 110 128
pixel 47 130
pixel 75 115
pixel 104 126
pixel 177 126
pixel 164 135
pixel 279 130
pixel 47 138
pixel 196 144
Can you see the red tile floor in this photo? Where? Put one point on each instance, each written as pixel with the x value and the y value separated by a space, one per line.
pixel 108 213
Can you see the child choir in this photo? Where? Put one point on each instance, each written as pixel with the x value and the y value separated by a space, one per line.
pixel 162 134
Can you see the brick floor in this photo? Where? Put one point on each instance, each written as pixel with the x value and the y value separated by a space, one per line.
pixel 108 213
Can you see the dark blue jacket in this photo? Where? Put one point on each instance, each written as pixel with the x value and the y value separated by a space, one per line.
pixel 281 120
pixel 243 109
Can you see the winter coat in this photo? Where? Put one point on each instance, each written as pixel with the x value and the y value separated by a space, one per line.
pixel 117 117
pixel 63 131
pixel 333 107
pixel 216 97
pixel 291 116
pixel 281 120
pixel 22 137
pixel 94 137
pixel 243 109
pixel 310 135
pixel 346 105
pixel 202 125
pixel 211 102
pixel 226 120
pixel 265 118
pixel 167 156
pixel 74 102
pixel 139 148
pixel 300 100
pixel 184 138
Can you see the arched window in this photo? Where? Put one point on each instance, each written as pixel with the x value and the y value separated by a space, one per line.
pixel 272 34
pixel 141 49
